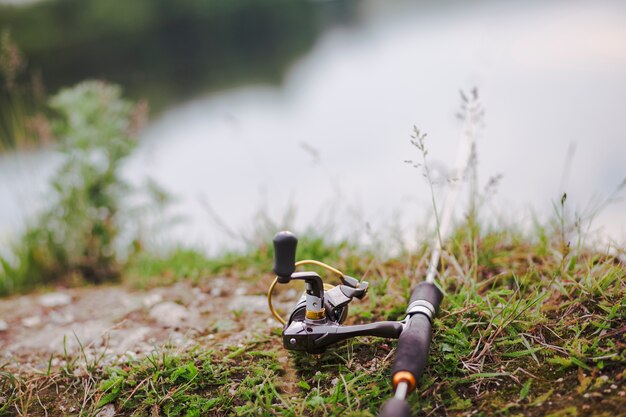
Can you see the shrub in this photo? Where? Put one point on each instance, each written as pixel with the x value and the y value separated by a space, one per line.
pixel 77 233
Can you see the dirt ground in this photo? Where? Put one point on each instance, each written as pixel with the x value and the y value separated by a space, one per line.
pixel 114 321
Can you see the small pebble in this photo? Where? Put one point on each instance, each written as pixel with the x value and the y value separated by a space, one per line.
pixel 169 313
pixel 55 299
pixel 106 411
pixel 248 303
pixel 3 326
pixel 291 293
pixel 58 318
pixel 151 299
pixel 31 321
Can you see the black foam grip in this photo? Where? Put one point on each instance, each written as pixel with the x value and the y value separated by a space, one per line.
pixel 395 407
pixel 285 244
pixel 429 292
pixel 413 344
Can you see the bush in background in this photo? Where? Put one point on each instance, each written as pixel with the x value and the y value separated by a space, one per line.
pixel 77 234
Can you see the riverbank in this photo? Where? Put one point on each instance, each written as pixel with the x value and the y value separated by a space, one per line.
pixel 529 326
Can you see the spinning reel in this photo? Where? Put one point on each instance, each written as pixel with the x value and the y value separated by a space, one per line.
pixel 316 320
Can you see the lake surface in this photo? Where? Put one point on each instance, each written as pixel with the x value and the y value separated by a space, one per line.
pixel 331 141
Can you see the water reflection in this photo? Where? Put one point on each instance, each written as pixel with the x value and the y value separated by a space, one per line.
pixel 334 137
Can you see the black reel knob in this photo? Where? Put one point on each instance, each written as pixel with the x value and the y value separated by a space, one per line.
pixel 285 244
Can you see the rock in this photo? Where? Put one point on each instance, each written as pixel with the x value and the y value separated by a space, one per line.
pixel 64 318
pixel 89 333
pixel 55 299
pixel 152 299
pixel 130 355
pixel 168 313
pixel 3 326
pixel 123 340
pixel 291 294
pixel 106 411
pixel 31 321
pixel 272 322
pixel 248 303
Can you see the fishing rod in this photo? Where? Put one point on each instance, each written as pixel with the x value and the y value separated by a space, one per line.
pixel 317 319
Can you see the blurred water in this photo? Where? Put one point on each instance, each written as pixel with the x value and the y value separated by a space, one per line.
pixel 332 139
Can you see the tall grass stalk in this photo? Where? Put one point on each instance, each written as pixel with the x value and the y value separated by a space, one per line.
pixel 23 123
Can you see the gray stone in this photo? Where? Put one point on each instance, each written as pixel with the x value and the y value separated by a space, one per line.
pixel 123 340
pixel 152 299
pixel 248 303
pixel 58 318
pixel 169 313
pixel 106 411
pixel 55 299
pixel 31 321
pixel 3 326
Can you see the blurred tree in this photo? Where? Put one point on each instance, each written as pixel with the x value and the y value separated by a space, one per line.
pixel 165 50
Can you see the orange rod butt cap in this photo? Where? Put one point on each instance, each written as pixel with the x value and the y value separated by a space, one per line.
pixel 406 377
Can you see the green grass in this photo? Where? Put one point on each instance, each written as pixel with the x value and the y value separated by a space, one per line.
pixel 146 269
pixel 525 330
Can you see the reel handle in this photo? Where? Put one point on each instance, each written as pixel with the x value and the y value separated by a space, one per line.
pixel 285 244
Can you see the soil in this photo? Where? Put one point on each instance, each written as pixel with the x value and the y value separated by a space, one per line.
pixel 114 321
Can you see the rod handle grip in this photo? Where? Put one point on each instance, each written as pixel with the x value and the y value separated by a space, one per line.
pixel 395 407
pixel 414 341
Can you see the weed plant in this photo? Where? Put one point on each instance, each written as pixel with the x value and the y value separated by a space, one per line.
pixel 77 234
pixel 23 122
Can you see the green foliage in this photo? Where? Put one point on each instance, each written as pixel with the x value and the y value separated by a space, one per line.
pixel 77 233
pixel 147 269
pixel 23 123
pixel 525 338
pixel 193 383
pixel 164 50
pixel 512 342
